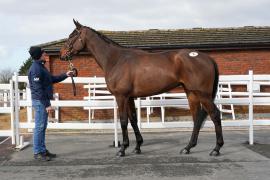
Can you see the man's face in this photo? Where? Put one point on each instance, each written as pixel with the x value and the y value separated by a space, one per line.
pixel 43 56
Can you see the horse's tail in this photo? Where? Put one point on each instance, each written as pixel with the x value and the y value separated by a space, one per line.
pixel 216 80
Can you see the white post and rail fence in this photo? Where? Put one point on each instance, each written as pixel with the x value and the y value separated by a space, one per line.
pixel 250 98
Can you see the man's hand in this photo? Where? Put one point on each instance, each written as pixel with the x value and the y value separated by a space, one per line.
pixel 69 73
pixel 49 109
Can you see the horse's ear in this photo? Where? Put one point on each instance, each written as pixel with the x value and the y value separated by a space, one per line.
pixel 77 24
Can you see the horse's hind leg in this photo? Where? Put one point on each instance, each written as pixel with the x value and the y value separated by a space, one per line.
pixel 134 123
pixel 198 115
pixel 214 113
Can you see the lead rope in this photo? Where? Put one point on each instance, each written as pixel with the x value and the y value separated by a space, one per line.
pixel 74 74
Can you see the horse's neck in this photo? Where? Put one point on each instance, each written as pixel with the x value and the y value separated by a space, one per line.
pixel 103 51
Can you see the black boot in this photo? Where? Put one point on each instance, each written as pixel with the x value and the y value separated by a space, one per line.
pixel 41 157
pixel 51 155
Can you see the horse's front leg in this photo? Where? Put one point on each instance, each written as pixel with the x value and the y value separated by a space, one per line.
pixel 123 107
pixel 133 120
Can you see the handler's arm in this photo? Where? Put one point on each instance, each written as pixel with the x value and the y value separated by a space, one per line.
pixel 62 77
pixel 56 79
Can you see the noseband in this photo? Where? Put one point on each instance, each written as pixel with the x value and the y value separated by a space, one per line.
pixel 70 45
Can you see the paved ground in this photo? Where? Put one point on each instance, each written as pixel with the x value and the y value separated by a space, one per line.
pixel 87 156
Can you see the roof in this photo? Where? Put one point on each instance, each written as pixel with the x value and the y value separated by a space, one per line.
pixel 200 38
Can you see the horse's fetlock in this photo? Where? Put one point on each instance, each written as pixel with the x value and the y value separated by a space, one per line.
pixel 221 143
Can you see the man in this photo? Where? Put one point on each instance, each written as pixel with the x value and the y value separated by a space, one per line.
pixel 41 88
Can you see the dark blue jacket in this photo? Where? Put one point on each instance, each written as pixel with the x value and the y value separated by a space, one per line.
pixel 41 82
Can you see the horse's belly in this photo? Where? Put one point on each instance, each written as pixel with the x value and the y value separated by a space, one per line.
pixel 148 87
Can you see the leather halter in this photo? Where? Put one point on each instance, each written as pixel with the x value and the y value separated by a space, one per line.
pixel 70 44
pixel 69 58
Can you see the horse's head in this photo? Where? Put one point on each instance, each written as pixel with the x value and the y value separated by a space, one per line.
pixel 75 42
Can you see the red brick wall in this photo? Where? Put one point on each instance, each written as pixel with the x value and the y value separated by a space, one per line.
pixel 229 62
pixel 241 61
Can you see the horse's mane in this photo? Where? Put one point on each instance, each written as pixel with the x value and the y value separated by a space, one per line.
pixel 105 38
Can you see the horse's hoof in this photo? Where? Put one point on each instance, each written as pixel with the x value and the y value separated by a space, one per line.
pixel 214 153
pixel 137 151
pixel 120 154
pixel 184 151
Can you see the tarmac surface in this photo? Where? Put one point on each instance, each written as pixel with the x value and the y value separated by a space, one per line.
pixel 88 156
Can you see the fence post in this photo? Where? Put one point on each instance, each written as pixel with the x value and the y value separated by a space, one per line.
pixel 89 108
pixel 12 128
pixel 28 108
pixel 16 107
pixel 162 111
pixel 93 94
pixel 115 123
pixel 56 110
pixel 250 109
pixel 24 94
pixel 148 111
pixel 139 113
pixel 5 98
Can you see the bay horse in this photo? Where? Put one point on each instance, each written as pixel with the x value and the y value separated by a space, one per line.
pixel 131 73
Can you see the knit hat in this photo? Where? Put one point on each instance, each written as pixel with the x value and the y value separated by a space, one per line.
pixel 35 52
